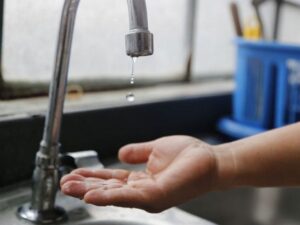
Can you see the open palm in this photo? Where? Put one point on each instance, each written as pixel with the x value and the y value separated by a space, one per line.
pixel 178 168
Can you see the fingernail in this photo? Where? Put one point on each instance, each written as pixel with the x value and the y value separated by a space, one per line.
pixel 66 189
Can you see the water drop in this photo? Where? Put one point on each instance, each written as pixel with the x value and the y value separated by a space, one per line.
pixel 132 80
pixel 134 59
pixel 130 97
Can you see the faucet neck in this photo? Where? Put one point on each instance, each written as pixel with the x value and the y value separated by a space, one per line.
pixel 42 209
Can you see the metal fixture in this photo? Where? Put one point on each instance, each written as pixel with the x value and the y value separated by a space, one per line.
pixel 74 160
pixel 139 42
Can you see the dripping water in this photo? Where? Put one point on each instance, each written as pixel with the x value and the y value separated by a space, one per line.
pixel 130 96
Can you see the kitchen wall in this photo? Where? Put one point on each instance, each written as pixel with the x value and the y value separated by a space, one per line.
pixel 31 30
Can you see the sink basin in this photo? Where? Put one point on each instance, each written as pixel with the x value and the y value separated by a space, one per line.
pixel 116 223
pixel 92 215
pixel 249 206
pixel 83 214
pixel 126 223
pixel 121 223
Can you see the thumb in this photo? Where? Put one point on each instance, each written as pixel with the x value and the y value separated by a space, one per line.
pixel 136 153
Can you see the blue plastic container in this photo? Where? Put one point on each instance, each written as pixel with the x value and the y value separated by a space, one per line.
pixel 293 114
pixel 262 98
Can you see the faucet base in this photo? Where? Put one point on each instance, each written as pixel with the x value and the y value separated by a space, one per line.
pixel 55 215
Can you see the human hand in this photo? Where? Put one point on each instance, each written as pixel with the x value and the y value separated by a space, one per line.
pixel 178 168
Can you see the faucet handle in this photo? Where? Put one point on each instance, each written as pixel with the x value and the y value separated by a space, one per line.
pixel 74 160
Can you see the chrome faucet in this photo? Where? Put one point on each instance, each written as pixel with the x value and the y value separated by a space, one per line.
pixel 139 42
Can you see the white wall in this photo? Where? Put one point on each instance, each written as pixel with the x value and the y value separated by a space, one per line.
pixel 31 30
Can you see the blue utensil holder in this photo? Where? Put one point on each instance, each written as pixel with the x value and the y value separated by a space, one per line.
pixel 264 97
pixel 293 107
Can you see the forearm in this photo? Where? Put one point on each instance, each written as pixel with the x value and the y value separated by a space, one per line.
pixel 268 159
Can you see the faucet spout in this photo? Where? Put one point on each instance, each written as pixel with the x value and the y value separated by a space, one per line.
pixel 139 42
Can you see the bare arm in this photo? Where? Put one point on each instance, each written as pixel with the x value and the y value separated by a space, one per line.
pixel 268 159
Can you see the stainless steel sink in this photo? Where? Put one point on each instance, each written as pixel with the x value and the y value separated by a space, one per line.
pixel 249 206
pixel 92 215
pixel 245 206
pixel 83 214
pixel 117 223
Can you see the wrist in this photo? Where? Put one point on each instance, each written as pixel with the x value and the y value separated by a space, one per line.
pixel 226 171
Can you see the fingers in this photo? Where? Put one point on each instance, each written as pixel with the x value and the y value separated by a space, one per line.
pixel 78 189
pixel 81 181
pixel 136 190
pixel 103 173
pixel 124 197
pixel 71 177
pixel 136 153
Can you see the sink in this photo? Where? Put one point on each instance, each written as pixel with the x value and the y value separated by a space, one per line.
pixel 249 206
pixel 126 223
pixel 80 213
pixel 244 206
pixel 111 215
pixel 116 223
pixel 119 222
